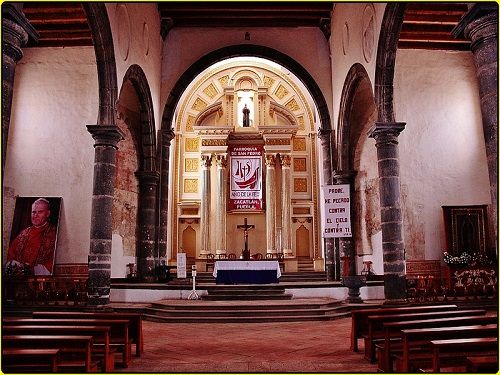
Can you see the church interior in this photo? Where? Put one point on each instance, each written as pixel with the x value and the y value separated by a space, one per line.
pixel 297 168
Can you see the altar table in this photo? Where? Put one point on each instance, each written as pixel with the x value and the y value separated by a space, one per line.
pixel 246 271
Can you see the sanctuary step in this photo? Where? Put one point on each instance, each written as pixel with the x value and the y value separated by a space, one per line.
pixel 250 292
pixel 305 264
pixel 301 276
pixel 205 311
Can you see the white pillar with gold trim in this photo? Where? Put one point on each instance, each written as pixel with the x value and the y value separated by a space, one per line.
pixel 206 163
pixel 220 223
pixel 270 204
pixel 286 216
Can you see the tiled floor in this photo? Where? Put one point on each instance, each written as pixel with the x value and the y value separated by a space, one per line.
pixel 249 348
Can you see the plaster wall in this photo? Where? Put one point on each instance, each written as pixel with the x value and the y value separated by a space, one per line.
pixel 307 46
pixel 50 152
pixel 442 150
pixel 346 44
pixel 136 39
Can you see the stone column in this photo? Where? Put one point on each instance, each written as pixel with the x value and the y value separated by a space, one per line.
pixel 286 214
pixel 146 264
pixel 347 249
pixel 480 25
pixel 220 223
pixel 332 259
pixel 386 140
pixel 206 163
pixel 166 138
pixel 101 225
pixel 15 32
pixel 270 204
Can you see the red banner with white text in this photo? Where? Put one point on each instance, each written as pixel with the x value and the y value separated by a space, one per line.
pixel 245 187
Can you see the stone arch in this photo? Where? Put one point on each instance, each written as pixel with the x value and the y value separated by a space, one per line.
pixel 238 51
pixel 146 139
pixel 386 59
pixel 102 37
pixel 357 84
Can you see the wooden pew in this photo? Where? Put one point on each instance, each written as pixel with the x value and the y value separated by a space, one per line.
pixel 457 350
pixel 393 330
pixel 135 328
pixel 359 318
pixel 416 342
pixel 99 333
pixel 483 364
pixel 375 324
pixel 30 360
pixel 78 346
pixel 119 331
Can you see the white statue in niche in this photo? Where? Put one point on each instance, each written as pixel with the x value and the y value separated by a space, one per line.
pixel 245 109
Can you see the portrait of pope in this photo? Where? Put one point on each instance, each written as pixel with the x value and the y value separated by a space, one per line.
pixel 32 249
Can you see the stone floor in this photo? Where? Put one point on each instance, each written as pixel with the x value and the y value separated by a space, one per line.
pixel 249 348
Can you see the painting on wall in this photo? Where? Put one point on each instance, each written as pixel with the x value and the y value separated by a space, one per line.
pixel 465 229
pixel 33 239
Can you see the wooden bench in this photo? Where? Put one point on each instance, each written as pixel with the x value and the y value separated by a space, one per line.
pixel 99 333
pixel 119 330
pixel 482 364
pixel 78 346
pixel 457 350
pixel 375 324
pixel 359 318
pixel 135 328
pixel 416 342
pixel 29 360
pixel 393 332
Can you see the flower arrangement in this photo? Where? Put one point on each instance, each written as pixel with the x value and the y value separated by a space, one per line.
pixel 462 260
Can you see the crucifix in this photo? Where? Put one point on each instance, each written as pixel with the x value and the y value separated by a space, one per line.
pixel 246 227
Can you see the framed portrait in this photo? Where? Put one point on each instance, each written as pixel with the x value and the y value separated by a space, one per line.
pixel 33 239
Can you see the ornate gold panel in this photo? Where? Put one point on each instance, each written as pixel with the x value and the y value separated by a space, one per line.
pixel 281 92
pixel 191 185
pixel 189 211
pixel 190 123
pixel 300 185
pixel 301 123
pixel 299 144
pixel 268 81
pixel 224 80
pixel 199 105
pixel 191 164
pixel 292 105
pixel 211 91
pixel 192 145
pixel 299 164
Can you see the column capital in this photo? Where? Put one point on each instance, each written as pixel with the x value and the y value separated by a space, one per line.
pixel 221 160
pixel 386 132
pixel 324 134
pixel 13 13
pixel 285 160
pixel 270 160
pixel 106 135
pixel 206 161
pixel 167 135
pixel 344 176
pixel 148 177
pixel 477 14
pixel 482 29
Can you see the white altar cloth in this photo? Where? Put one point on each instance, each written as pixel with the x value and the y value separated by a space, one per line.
pixel 247 265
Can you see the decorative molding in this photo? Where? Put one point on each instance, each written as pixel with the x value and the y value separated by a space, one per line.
pixel 301 211
pixel 224 80
pixel 216 107
pixel 268 81
pixel 301 123
pixel 190 123
pixel 284 111
pixel 281 92
pixel 292 105
pixel 214 142
pixel 277 142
